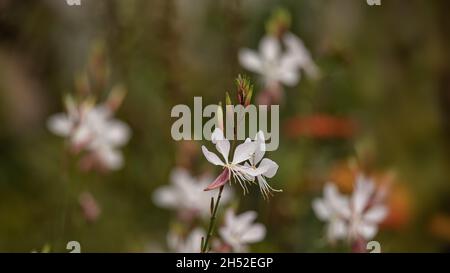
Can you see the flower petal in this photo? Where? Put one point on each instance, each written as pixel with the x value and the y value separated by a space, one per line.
pixel 112 159
pixel 244 220
pixel 364 190
pixel 250 60
pixel 375 214
pixel 254 234
pixel 220 180
pixel 211 157
pixel 337 229
pixel 321 209
pixel 60 124
pixel 223 146
pixel 261 147
pixel 270 166
pixel 367 230
pixel 118 133
pixel 217 135
pixel 243 152
pixel 270 48
pixel 165 197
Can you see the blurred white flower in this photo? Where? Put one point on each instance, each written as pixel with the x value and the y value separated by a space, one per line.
pixel 190 244
pixel 186 195
pixel 366 214
pixel 92 129
pixel 242 174
pixel 104 135
pixel 274 65
pixel 268 167
pixel 300 54
pixel 334 209
pixel 239 230
pixel 356 218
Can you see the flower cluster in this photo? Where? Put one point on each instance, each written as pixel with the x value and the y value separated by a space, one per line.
pixel 355 218
pixel 93 129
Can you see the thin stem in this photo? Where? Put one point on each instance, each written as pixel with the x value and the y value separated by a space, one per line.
pixel 212 222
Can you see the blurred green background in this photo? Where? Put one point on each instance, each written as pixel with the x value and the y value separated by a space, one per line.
pixel 385 68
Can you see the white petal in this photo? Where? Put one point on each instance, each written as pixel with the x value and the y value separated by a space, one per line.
pixel 81 135
pixel 60 124
pixel 339 204
pixel 217 135
pixel 270 166
pixel 366 230
pixel 337 229
pixel 223 146
pixel 364 190
pixel 111 158
pixel 375 214
pixel 165 197
pixel 244 220
pixel 270 48
pixel 118 133
pixel 260 149
pixel 321 209
pixel 243 152
pixel 288 76
pixel 211 157
pixel 249 171
pixel 250 60
pixel 254 234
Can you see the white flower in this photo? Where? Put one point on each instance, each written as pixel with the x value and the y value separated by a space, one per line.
pixel 185 194
pixel 239 231
pixel 93 129
pixel 366 215
pixel 301 56
pixel 334 209
pixel 271 63
pixel 190 244
pixel 242 174
pixel 354 218
pixel 105 135
pixel 269 167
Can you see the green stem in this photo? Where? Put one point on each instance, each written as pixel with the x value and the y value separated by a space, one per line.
pixel 212 222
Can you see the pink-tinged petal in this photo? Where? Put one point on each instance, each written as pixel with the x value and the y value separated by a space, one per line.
pixel 220 180
pixel 270 48
pixel 243 152
pixel 250 60
pixel 223 146
pixel 270 166
pixel 211 157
